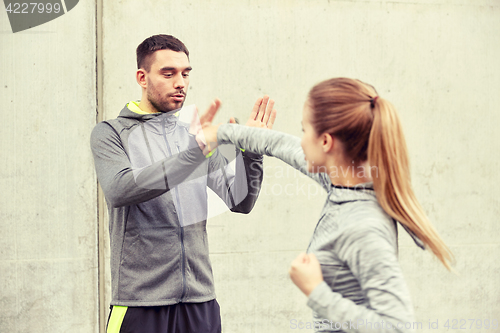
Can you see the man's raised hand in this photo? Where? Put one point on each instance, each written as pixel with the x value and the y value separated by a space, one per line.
pixel 206 133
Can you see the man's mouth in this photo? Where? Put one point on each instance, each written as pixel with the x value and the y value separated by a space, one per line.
pixel 178 97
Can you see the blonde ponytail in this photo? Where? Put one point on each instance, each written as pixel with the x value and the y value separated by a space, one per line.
pixel 388 153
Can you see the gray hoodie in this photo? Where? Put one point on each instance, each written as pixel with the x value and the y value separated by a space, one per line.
pixel 154 177
pixel 355 242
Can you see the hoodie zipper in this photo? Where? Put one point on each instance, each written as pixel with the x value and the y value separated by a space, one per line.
pixel 179 214
pixel 184 286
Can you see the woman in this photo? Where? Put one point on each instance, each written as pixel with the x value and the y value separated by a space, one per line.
pixel 354 147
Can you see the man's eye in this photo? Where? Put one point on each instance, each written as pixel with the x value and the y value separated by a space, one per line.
pixel 168 74
pixel 185 74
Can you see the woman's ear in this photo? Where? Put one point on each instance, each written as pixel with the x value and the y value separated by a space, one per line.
pixel 327 142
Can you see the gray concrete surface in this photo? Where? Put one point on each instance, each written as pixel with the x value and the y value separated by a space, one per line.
pixel 437 61
pixel 48 207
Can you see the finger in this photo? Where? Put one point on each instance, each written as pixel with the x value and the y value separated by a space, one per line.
pixel 232 120
pixel 295 262
pixel 269 109
pixel 255 109
pixel 215 107
pixel 300 258
pixel 270 123
pixel 209 115
pixel 262 108
pixel 195 123
pixel 313 259
pixel 306 259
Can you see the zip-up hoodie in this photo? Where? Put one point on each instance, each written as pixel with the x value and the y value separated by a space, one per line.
pixel 154 178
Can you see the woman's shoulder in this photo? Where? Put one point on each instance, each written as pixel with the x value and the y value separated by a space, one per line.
pixel 364 226
pixel 358 219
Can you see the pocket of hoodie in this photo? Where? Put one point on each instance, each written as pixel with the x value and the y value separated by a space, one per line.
pixel 153 250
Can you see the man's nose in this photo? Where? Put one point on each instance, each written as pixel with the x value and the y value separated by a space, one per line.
pixel 179 82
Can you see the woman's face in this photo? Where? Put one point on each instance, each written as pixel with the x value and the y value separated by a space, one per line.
pixel 311 143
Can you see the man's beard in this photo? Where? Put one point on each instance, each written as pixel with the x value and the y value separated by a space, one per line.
pixel 164 106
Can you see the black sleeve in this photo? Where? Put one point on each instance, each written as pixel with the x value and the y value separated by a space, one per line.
pixel 237 184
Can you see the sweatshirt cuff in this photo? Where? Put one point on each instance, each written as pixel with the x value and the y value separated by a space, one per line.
pixel 252 155
pixel 223 134
pixel 322 297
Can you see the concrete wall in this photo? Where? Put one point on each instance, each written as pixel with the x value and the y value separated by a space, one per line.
pixel 437 61
pixel 48 206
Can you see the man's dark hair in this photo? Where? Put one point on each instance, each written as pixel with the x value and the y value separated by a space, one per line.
pixel 154 43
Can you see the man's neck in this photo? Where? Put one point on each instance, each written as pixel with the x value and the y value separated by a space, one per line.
pixel 146 106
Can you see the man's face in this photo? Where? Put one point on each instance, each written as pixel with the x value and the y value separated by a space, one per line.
pixel 168 80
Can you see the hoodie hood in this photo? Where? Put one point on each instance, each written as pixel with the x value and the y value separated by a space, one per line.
pixel 365 191
pixel 153 122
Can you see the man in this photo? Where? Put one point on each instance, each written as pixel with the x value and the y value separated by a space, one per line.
pixel 154 169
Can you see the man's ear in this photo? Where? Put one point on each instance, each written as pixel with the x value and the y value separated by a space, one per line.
pixel 140 76
pixel 327 142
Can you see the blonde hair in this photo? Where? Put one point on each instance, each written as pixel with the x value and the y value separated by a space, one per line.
pixel 370 130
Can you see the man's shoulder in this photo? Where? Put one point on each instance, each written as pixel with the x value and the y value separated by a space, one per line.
pixel 117 124
pixel 108 128
pixel 102 131
pixel 104 126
